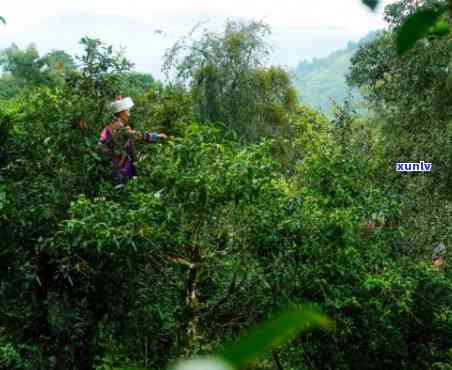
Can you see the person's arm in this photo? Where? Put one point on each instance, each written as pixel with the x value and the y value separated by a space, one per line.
pixel 153 137
pixel 147 137
pixel 104 144
pixel 104 139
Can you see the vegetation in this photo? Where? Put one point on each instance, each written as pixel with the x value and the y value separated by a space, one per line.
pixel 230 84
pixel 255 203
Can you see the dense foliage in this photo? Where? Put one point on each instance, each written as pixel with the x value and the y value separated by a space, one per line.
pixel 412 97
pixel 230 83
pixel 255 203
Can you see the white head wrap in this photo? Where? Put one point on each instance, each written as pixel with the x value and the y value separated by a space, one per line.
pixel 439 250
pixel 121 105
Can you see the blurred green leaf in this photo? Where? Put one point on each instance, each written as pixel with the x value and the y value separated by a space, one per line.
pixel 441 28
pixel 3 20
pixel 274 332
pixel 415 27
pixel 372 4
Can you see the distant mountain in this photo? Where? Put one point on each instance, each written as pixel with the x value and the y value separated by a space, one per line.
pixel 321 79
pixel 146 42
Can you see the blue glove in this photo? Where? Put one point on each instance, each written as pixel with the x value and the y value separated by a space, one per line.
pixel 151 137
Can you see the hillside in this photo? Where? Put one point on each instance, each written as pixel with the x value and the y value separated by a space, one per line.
pixel 321 79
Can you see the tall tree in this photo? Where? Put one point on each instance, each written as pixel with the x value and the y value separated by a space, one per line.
pixel 25 67
pixel 229 81
pixel 59 60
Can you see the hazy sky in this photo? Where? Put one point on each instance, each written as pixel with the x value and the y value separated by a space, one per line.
pixel 302 29
pixel 349 15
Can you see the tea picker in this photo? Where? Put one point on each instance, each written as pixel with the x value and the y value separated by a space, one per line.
pixel 438 255
pixel 117 140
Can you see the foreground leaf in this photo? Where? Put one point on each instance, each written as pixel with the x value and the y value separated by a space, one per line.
pixel 208 363
pixel 372 4
pixel 275 332
pixel 3 20
pixel 415 27
pixel 441 28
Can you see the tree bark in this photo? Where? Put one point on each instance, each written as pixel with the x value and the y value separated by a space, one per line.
pixel 192 303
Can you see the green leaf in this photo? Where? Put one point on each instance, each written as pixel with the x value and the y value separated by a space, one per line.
pixel 272 333
pixel 372 4
pixel 207 363
pixel 415 27
pixel 440 28
pixel 3 20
